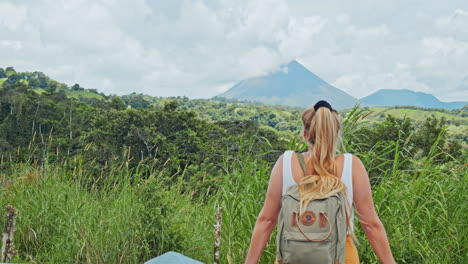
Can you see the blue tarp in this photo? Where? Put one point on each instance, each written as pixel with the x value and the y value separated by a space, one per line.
pixel 172 258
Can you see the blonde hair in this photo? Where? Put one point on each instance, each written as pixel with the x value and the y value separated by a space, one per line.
pixel 323 136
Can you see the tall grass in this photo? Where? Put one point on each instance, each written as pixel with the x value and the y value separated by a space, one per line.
pixel 61 221
pixel 424 212
pixel 68 213
pixel 68 216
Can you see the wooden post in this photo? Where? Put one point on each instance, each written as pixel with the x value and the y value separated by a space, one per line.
pixel 8 249
pixel 217 235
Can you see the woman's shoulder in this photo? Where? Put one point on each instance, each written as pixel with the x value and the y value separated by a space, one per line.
pixel 355 159
pixel 356 163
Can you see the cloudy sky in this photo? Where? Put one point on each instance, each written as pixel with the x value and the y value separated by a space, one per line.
pixel 199 48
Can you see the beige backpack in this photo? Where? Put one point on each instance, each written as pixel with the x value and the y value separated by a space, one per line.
pixel 316 236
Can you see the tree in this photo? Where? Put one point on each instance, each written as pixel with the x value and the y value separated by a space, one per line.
pixel 428 133
pixel 136 101
pixel 76 87
pixel 13 79
pixel 34 83
pixel 117 103
pixel 3 73
pixel 390 130
pixel 43 82
pixel 10 70
pixel 171 105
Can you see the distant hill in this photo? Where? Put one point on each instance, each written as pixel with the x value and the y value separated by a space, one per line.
pixel 40 83
pixel 388 97
pixel 293 85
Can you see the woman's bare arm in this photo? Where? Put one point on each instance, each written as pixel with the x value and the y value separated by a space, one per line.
pixel 268 216
pixel 370 221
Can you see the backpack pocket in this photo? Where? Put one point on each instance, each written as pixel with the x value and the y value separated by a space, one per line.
pixel 297 249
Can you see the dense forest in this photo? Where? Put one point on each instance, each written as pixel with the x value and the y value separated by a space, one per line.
pixel 103 178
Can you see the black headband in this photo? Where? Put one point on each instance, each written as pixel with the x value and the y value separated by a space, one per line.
pixel 322 103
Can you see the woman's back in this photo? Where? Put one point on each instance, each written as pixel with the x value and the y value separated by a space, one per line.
pixel 292 173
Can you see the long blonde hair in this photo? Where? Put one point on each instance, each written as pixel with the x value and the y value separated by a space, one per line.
pixel 323 136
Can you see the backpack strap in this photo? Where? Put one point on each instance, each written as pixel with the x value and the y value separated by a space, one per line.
pixel 302 162
pixel 341 237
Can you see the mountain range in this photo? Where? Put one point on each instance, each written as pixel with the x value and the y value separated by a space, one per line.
pixel 387 97
pixel 295 85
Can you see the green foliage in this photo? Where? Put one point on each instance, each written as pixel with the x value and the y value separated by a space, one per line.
pixel 76 87
pixel 401 140
pixel 12 79
pixel 455 119
pixel 132 219
pixel 419 211
pixel 28 119
pixel 3 73
pixel 427 134
pixel 39 82
pixel 98 181
pixel 136 100
pixel 279 117
pixel 10 70
pixel 64 221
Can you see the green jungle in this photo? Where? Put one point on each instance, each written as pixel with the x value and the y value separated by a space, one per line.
pixel 122 179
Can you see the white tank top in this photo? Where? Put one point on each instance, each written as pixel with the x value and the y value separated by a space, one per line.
pixel 346 177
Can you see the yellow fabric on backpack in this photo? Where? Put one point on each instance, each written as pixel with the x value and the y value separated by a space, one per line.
pixel 351 254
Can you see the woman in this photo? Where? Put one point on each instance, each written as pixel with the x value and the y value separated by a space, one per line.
pixel 322 133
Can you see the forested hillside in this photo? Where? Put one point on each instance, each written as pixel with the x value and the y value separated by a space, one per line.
pixel 105 179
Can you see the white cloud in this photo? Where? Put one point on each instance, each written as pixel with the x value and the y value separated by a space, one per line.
pixel 375 31
pixel 446 47
pixel 200 47
pixel 298 38
pixel 12 16
pixel 455 22
pixel 11 44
